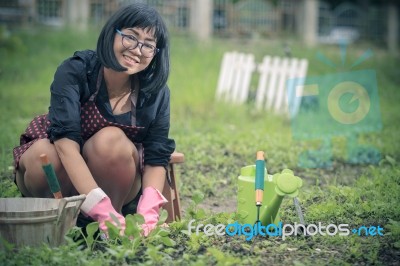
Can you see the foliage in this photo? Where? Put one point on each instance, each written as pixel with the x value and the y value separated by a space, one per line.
pixel 10 43
pixel 218 139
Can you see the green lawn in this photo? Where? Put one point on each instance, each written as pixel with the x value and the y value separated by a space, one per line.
pixel 218 139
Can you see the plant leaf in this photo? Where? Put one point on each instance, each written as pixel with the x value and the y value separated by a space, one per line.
pixel 168 241
pixel 197 197
pixel 138 218
pixel 91 229
pixel 163 232
pixel 113 231
pixel 163 216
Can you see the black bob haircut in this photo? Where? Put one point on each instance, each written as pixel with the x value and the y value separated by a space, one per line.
pixel 155 76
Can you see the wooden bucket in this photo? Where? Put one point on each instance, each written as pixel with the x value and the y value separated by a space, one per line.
pixel 33 221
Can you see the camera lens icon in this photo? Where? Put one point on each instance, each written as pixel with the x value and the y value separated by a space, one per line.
pixel 337 101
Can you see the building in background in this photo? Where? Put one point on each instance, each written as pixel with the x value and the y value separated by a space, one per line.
pixel 313 21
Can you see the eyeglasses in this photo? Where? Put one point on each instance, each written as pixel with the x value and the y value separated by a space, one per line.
pixel 130 42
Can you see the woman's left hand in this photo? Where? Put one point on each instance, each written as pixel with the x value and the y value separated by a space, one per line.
pixel 149 206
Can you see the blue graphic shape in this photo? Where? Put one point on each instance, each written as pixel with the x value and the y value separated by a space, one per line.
pixel 367 54
pixel 339 104
pixel 325 60
pixel 356 90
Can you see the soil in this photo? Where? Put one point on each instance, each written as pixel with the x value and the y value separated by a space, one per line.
pixel 212 204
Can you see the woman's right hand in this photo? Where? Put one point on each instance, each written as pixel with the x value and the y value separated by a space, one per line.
pixel 97 206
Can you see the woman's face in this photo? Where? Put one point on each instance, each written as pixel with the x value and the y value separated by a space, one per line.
pixel 132 48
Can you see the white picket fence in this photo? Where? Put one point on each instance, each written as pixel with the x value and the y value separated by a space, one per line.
pixel 235 76
pixel 277 77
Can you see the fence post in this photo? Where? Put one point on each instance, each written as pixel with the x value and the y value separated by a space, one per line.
pixel 78 13
pixel 310 22
pixel 393 28
pixel 201 18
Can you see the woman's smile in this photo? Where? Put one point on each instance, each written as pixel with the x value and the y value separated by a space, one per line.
pixel 132 60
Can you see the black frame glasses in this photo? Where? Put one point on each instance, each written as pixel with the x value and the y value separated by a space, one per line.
pixel 130 42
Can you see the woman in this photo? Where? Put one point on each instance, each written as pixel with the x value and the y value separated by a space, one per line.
pixel 106 132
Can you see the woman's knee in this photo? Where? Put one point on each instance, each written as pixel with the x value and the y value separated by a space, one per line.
pixel 31 177
pixel 110 145
pixel 31 161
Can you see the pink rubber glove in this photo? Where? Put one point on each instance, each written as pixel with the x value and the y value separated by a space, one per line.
pixel 149 205
pixel 97 205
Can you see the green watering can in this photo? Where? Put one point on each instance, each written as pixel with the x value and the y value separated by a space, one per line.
pixel 276 187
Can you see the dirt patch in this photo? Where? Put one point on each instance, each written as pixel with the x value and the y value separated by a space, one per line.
pixel 212 204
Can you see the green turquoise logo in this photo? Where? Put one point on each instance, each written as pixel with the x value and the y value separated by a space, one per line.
pixel 332 105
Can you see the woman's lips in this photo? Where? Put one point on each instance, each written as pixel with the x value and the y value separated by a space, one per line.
pixel 131 60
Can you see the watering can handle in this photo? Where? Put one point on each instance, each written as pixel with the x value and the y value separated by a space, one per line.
pixel 63 204
pixel 259 182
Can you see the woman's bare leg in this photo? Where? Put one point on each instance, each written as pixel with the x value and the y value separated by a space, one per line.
pixel 113 161
pixel 30 177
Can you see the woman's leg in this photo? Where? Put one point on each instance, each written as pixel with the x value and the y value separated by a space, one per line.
pixel 113 161
pixel 30 177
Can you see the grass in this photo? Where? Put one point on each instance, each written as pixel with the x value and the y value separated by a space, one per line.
pixel 218 139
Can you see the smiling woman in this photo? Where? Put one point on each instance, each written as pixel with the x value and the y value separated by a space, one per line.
pixel 130 42
pixel 107 129
pixel 129 50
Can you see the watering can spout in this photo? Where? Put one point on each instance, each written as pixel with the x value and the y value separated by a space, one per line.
pixel 270 213
pixel 286 184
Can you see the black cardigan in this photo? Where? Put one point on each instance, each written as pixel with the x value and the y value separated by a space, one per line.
pixel 75 81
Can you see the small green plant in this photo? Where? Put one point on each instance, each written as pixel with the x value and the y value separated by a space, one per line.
pixel 394 232
pixel 89 239
pixel 223 258
pixel 195 212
